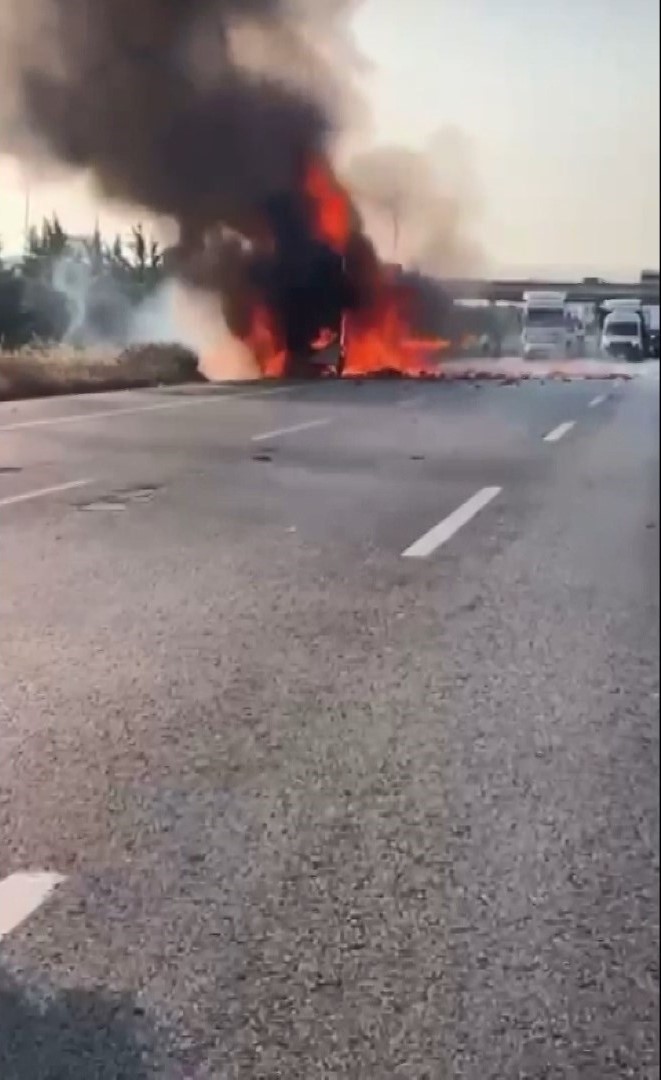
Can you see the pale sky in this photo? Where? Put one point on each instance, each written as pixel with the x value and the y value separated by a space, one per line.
pixel 560 102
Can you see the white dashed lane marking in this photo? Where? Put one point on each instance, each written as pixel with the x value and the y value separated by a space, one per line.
pixel 599 400
pixel 266 435
pixel 559 432
pixel 446 529
pixel 21 894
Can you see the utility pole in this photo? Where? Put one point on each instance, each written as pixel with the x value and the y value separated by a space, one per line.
pixel 394 205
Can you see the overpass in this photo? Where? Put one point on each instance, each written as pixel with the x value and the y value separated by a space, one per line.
pixel 590 290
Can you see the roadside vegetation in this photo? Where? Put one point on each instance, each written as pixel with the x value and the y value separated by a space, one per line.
pixel 65 314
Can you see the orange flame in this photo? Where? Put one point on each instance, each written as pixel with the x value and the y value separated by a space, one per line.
pixel 370 350
pixel 380 339
pixel 331 205
pixel 325 338
pixel 377 338
pixel 263 341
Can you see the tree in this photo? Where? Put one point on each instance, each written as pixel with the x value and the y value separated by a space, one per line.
pixel 44 246
pixel 115 261
pixel 147 257
pixel 95 253
pixel 50 241
pixel 138 246
pixel 155 255
pixel 146 253
pixel 117 251
pixel 109 280
pixel 13 314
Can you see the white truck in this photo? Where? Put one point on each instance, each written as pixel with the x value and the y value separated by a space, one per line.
pixel 547 330
pixel 625 333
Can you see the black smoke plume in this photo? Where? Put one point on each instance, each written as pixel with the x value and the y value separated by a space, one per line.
pixel 147 95
pixel 166 103
pixel 207 112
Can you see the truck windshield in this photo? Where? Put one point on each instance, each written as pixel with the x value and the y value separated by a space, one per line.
pixel 623 329
pixel 545 317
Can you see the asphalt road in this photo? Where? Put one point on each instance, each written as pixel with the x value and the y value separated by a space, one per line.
pixel 332 714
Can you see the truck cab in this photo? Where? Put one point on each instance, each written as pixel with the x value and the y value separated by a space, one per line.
pixel 624 331
pixel 547 330
pixel 622 335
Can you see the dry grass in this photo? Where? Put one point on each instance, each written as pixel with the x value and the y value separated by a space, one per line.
pixel 43 372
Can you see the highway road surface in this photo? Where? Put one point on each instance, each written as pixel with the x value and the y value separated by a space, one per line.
pixel 329 732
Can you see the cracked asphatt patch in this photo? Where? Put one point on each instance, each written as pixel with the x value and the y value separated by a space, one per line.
pixel 121 500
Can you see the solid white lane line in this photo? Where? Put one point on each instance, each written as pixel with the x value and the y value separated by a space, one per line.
pixel 266 435
pixel 446 529
pixel 559 432
pixel 93 395
pixel 599 400
pixel 26 496
pixel 21 894
pixel 161 406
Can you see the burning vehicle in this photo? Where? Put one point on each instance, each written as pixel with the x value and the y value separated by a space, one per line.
pixel 310 298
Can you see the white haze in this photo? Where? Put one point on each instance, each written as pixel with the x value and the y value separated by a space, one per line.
pixel 73 278
pixel 176 314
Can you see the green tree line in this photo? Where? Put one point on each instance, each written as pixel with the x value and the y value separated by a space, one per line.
pixel 34 305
